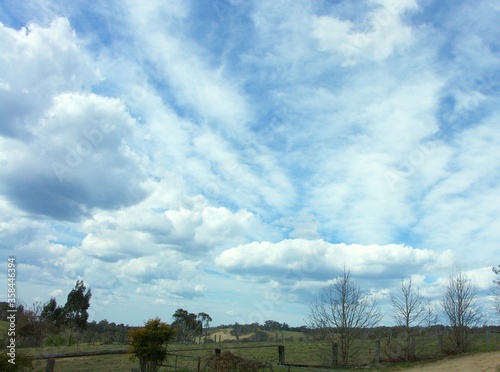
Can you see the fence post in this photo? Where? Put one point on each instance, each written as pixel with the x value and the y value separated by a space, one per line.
pixel 199 365
pixel 281 355
pixel 217 352
pixel 377 351
pixel 413 347
pixel 488 337
pixel 50 365
pixel 335 353
pixel 440 342
pixel 175 364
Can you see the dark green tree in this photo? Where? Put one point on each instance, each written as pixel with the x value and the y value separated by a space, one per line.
pixel 52 315
pixel 272 325
pixel 76 309
pixel 75 312
pixel 205 320
pixel 149 344
pixel 72 316
pixel 236 331
pixel 188 325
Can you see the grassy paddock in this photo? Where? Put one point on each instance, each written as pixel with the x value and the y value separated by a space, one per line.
pixel 296 352
pixel 4 326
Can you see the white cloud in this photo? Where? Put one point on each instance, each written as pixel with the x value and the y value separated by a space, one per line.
pixel 158 223
pixel 482 278
pixel 15 227
pixel 56 292
pixel 77 160
pixel 166 265
pixel 190 144
pixel 299 259
pixel 37 64
pixel 382 153
pixel 386 32
pixel 68 139
pixel 197 84
pixel 466 189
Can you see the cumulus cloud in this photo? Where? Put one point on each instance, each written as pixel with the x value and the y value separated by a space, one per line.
pixel 166 153
pixel 299 259
pixel 70 146
pixel 38 63
pixel 15 227
pixel 194 228
pixel 77 160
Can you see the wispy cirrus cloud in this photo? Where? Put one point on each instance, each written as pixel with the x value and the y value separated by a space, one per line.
pixel 167 153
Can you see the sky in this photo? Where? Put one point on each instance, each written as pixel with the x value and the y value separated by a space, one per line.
pixel 232 157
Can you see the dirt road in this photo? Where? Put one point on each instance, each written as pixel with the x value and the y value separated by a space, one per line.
pixel 482 362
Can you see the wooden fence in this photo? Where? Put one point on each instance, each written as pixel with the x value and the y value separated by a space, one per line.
pixel 51 358
pixel 281 361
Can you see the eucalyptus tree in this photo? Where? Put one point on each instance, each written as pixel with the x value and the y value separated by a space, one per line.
pixel 190 325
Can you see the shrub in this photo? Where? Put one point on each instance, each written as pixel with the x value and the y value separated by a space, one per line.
pixel 229 362
pixel 55 340
pixel 24 363
pixel 149 344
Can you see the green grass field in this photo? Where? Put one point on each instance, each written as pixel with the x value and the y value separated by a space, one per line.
pixel 306 353
pixel 296 352
pixel 4 326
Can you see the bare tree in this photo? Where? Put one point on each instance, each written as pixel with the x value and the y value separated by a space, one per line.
pixel 340 313
pixel 496 289
pixel 460 307
pixel 410 312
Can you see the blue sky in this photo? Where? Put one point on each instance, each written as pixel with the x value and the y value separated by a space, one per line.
pixel 231 157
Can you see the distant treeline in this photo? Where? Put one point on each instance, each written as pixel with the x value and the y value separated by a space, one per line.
pixel 32 333
pixel 269 325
